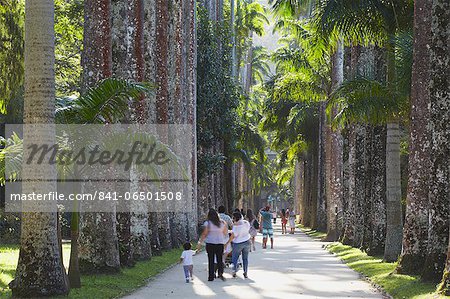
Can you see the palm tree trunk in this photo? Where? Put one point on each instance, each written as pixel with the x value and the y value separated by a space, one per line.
pixel 377 234
pixel 335 196
pixel 322 159
pixel 98 243
pixel 306 208
pixel 415 232
pixel 394 220
pixel 439 119
pixel 40 270
pixel 298 187
pixel 350 211
pixel 367 202
pixel 314 176
pixel 360 179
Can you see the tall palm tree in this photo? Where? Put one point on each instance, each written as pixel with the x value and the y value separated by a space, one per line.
pixel 99 249
pixel 376 21
pixel 415 233
pixel 439 119
pixel 128 63
pixel 40 271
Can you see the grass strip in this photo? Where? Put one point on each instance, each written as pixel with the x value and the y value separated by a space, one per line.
pixel 94 286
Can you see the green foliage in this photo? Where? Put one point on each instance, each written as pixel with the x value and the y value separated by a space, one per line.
pixel 260 65
pixel 291 8
pixel 250 18
pixel 11 50
pixel 253 19
pixel 364 100
pixel 68 46
pixel 217 95
pixel 363 21
pixel 373 100
pixel 107 102
pixel 94 286
pixel 69 21
pixel 381 273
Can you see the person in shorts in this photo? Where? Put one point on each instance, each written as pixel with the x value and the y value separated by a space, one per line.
pixel 266 226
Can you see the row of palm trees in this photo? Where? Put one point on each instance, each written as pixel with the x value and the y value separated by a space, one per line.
pixel 126 39
pixel 138 41
pixel 356 83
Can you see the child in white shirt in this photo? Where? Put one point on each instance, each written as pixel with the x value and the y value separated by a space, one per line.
pixel 186 259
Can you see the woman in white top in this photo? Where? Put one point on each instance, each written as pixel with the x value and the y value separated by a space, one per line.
pixel 214 234
pixel 240 241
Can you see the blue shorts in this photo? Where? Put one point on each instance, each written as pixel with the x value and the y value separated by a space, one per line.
pixel 267 232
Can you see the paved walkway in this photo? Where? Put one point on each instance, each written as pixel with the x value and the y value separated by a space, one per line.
pixel 297 267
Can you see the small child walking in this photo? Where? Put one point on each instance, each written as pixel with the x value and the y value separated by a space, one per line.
pixel 186 259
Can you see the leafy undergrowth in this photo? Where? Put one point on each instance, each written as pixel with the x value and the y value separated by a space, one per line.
pixel 93 286
pixel 381 273
pixel 312 232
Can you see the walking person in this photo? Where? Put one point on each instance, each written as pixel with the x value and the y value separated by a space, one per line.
pixel 266 226
pixel 292 221
pixel 229 221
pixel 188 263
pixel 225 217
pixel 214 235
pixel 240 241
pixel 284 220
pixel 254 226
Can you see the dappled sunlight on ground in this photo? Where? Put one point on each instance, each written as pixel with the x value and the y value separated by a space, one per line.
pixel 297 267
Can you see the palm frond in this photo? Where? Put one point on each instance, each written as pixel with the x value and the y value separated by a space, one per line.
pixel 364 100
pixel 107 102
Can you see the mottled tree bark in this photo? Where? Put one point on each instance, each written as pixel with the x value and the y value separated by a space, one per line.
pixel 367 202
pixel 377 217
pixel 99 250
pixel 314 176
pixel 306 208
pixel 323 156
pixel 359 191
pixel 415 230
pixel 351 201
pixel 40 271
pixel 128 63
pixel 439 195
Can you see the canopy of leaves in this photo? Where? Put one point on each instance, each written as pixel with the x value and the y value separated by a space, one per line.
pixel 11 50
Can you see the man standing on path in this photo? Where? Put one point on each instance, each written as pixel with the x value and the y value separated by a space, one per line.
pixel 266 227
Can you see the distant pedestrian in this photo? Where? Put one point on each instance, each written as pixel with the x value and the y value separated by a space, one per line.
pixel 188 262
pixel 292 221
pixel 254 226
pixel 266 226
pixel 214 234
pixel 284 220
pixel 240 241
